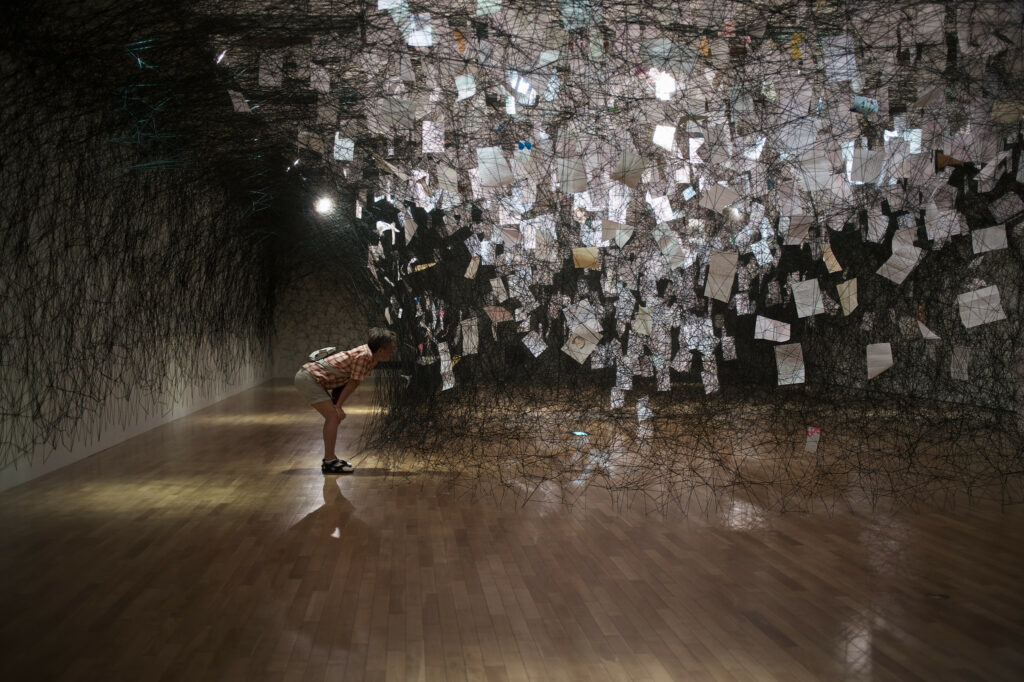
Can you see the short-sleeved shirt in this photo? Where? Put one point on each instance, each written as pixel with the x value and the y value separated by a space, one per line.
pixel 341 368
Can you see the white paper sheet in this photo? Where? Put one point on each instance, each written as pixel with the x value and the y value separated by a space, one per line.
pixel 762 251
pixel 960 363
pixel 620 233
pixel 629 169
pixel 789 363
pixel 838 54
pixel 319 78
pixel 643 408
pixel 498 314
pixel 879 358
pixel 878 223
pixel 581 343
pixel 493 167
pixel 344 148
pixel 238 102
pixel 768 329
pixel 718 198
pixel 813 437
pixel 989 238
pixel 980 307
pixel 498 289
pixel 807 297
pixel 572 175
pixel 470 335
pixel 831 262
pixel 535 343
pixel 466 86
pixel 927 333
pixel 671 245
pixel 433 137
pixel 721 273
pixel 904 258
pixel 664 137
pixel 848 295
pixel 643 321
pixel 447 377
pixel 709 374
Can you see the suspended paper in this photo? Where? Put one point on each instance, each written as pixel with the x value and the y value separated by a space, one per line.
pixel 989 238
pixel 721 273
pixel 447 377
pixel 879 358
pixel 768 329
pixel 470 336
pixel 534 342
pixel 807 297
pixel 493 167
pixel 848 295
pixel 980 307
pixel 789 362
pixel 586 257
pixel 958 368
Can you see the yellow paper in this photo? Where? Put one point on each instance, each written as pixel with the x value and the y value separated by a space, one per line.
pixel 586 257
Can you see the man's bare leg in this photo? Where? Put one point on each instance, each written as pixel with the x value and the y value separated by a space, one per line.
pixel 331 424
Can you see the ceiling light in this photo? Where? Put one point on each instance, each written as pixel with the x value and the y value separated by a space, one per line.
pixel 324 205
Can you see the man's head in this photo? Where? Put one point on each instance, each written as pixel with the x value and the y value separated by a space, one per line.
pixel 382 343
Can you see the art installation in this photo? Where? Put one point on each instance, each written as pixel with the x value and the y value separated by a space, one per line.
pixel 682 252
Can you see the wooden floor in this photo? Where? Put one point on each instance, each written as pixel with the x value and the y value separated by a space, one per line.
pixel 213 549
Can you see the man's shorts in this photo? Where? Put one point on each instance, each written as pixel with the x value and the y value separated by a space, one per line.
pixel 309 388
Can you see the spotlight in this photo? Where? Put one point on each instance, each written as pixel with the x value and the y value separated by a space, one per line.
pixel 324 205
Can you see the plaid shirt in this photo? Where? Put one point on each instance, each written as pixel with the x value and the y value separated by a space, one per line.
pixel 339 369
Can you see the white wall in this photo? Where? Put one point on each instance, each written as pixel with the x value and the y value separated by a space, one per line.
pixel 119 419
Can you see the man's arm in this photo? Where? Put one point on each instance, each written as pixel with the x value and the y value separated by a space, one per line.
pixel 345 393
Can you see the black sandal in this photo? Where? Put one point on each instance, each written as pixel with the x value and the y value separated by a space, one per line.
pixel 336 466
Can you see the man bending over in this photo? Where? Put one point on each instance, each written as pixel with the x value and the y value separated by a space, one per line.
pixel 328 382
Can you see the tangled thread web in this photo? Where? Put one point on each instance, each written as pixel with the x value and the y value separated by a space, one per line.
pixel 683 253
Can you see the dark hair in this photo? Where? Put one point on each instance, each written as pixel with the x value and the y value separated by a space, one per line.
pixel 378 338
